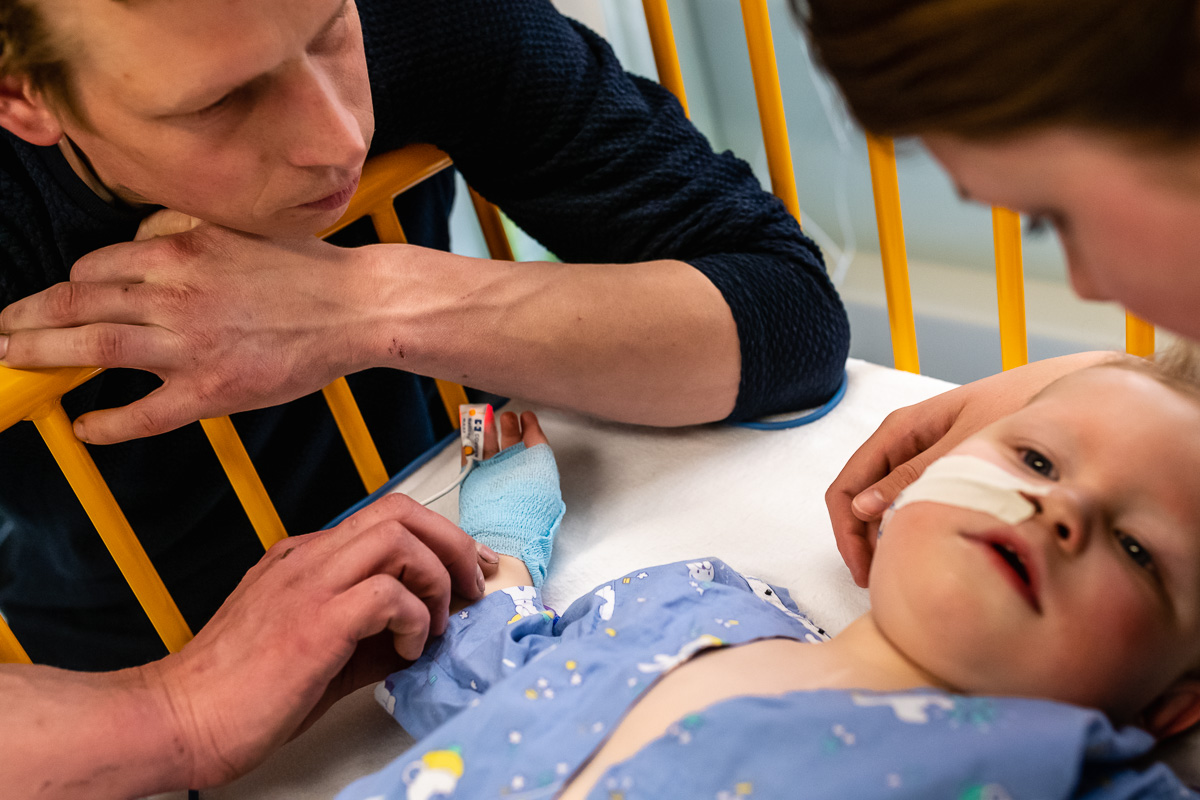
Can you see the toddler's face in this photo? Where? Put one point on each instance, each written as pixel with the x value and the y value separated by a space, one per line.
pixel 1095 598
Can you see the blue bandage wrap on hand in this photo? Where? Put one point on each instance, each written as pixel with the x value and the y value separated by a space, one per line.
pixel 512 503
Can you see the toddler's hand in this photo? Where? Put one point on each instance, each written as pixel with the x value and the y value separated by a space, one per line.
pixel 527 431
pixel 511 501
pixel 513 430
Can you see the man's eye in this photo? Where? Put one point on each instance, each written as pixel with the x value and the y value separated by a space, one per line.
pixel 1134 549
pixel 1038 463
pixel 214 107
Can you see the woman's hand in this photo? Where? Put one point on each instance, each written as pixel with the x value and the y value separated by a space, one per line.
pixel 913 437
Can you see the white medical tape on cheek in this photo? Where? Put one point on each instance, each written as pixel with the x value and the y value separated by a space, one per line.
pixel 971 482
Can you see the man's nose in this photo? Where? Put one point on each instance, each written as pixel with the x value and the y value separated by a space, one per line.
pixel 325 132
pixel 1067 514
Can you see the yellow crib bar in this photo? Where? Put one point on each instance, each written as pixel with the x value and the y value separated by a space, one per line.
pixel 387 225
pixel 244 478
pixel 885 186
pixel 110 522
pixel 25 390
pixel 379 185
pixel 1139 336
pixel 353 428
pixel 770 103
pixel 492 227
pixel 1010 288
pixel 662 42
pixel 11 651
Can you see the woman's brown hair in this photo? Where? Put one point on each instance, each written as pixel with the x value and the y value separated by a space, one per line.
pixel 987 68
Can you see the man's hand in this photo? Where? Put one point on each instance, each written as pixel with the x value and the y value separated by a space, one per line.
pixel 913 437
pixel 319 616
pixel 229 321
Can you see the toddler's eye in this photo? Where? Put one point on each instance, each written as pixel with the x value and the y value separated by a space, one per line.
pixel 1038 463
pixel 1134 549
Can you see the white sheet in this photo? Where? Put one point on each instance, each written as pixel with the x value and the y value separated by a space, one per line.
pixel 639 496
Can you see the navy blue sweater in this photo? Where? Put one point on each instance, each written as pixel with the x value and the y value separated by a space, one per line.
pixel 538 115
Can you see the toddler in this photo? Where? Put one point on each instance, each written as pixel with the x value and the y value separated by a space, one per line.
pixel 1034 628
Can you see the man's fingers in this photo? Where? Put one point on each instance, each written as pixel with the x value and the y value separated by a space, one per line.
pixel 131 262
pixel 377 604
pixel 389 548
pixel 99 345
pixel 75 303
pixel 453 548
pixel 158 412
pixel 164 223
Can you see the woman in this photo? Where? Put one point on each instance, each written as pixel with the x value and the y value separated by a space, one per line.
pixel 1084 116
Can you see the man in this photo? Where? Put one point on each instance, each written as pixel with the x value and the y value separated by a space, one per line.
pixel 696 297
pixel 319 616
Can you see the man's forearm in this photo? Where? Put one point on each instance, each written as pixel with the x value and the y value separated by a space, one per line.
pixel 87 735
pixel 651 343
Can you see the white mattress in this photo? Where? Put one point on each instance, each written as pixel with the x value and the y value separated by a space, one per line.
pixel 639 496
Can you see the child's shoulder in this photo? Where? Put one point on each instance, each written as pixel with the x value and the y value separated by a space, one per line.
pixel 696 594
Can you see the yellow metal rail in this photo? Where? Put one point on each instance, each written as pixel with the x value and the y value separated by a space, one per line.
pixel 770 103
pixel 73 459
pixel 1010 287
pixel 886 187
pixel 1139 336
pixel 354 431
pixel 247 485
pixel 34 395
pixel 26 390
pixel 662 42
pixel 11 651
pixel 492 227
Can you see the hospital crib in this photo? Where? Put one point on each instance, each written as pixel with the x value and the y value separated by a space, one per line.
pixel 35 395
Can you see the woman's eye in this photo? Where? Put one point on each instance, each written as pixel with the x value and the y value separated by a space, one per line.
pixel 1134 549
pixel 1038 463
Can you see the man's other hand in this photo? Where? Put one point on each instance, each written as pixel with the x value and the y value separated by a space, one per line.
pixel 318 617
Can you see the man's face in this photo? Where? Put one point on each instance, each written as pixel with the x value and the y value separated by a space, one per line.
pixel 1094 599
pixel 1127 218
pixel 253 114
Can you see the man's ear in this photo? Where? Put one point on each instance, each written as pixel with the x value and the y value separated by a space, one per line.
pixel 26 113
pixel 1175 710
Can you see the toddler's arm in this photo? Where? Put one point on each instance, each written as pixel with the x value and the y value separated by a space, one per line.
pixel 512 503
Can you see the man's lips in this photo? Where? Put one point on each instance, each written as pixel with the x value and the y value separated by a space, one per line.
pixel 1015 560
pixel 335 200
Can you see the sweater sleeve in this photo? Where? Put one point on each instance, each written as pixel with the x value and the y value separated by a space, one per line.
pixel 601 166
